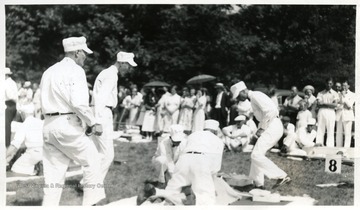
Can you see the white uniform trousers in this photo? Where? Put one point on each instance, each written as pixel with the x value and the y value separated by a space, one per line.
pixel 194 170
pixel 105 142
pixel 65 140
pixel 343 128
pixel 26 163
pixel 290 142
pixel 161 166
pixel 326 122
pixel 260 164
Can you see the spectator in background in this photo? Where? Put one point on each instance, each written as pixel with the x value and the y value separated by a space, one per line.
pixel 289 131
pixel 220 105
pixel 36 100
pixel 132 103
pixel 172 106
pixel 273 97
pixel 11 98
pixel 186 111
pixel 327 101
pixel 304 137
pixel 119 107
pixel 291 104
pixel 150 101
pixel 310 99
pixel 29 133
pixel 304 115
pixel 199 113
pixel 161 111
pixel 25 94
pixel 168 152
pixel 346 116
pixel 238 136
pixel 142 110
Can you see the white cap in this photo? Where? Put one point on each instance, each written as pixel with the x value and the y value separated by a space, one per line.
pixel 237 88
pixel 28 108
pixel 7 71
pixel 211 124
pixel 27 84
pixel 219 85
pixel 76 43
pixel 311 121
pixel 240 118
pixel 177 132
pixel 126 57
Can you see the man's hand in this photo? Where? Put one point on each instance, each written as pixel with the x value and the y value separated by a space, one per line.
pixel 97 129
pixel 259 132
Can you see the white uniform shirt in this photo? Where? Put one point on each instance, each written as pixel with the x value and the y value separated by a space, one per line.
pixel 11 90
pixel 209 144
pixel 172 103
pixel 290 129
pixel 171 153
pixel 263 107
pixel 29 132
pixel 348 99
pixel 64 89
pixel 328 96
pixel 238 133
pixel 105 90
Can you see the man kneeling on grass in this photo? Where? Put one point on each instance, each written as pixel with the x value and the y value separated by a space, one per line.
pixel 196 167
pixel 167 154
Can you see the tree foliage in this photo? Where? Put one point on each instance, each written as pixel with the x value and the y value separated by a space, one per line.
pixel 261 44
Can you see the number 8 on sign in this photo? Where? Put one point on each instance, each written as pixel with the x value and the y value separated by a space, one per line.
pixel 333 164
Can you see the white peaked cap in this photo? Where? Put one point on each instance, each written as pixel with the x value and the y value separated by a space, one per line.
pixel 177 132
pixel 27 84
pixel 237 88
pixel 126 57
pixel 76 43
pixel 211 124
pixel 240 118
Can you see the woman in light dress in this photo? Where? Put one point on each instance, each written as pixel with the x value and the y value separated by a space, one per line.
pixel 172 106
pixel 133 103
pixel 199 113
pixel 186 111
pixel 310 99
pixel 150 101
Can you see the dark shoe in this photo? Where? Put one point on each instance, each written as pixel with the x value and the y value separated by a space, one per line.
pixel 102 202
pixel 149 190
pixel 280 182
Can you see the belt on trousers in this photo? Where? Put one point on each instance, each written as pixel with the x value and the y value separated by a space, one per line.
pixel 192 152
pixel 110 107
pixel 58 113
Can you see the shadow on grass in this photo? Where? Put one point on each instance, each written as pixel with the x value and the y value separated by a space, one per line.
pixel 28 203
pixel 76 186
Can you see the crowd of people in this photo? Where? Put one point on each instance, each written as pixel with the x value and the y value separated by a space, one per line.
pixel 77 123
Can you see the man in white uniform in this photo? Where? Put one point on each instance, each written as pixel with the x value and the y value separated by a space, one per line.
pixel 198 165
pixel 304 137
pixel 11 98
pixel 103 101
pixel 237 135
pixel 167 153
pixel 326 102
pixel 269 132
pixel 346 116
pixel 30 132
pixel 65 105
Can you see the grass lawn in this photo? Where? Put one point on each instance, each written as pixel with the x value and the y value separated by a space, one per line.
pixel 126 178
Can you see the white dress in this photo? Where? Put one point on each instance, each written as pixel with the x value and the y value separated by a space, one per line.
pixel 199 114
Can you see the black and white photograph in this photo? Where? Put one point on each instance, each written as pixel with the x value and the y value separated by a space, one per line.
pixel 110 103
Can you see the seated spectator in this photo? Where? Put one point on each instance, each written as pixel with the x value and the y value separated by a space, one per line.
pixel 291 104
pixel 30 133
pixel 167 153
pixel 304 137
pixel 289 130
pixel 238 136
pixel 303 115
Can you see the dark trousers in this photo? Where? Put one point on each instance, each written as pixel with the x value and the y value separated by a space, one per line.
pixel 220 116
pixel 10 113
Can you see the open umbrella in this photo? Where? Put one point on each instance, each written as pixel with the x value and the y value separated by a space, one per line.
pixel 200 79
pixel 156 84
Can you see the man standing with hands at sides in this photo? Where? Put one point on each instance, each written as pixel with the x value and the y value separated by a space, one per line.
pixel 103 101
pixel 65 105
pixel 270 130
